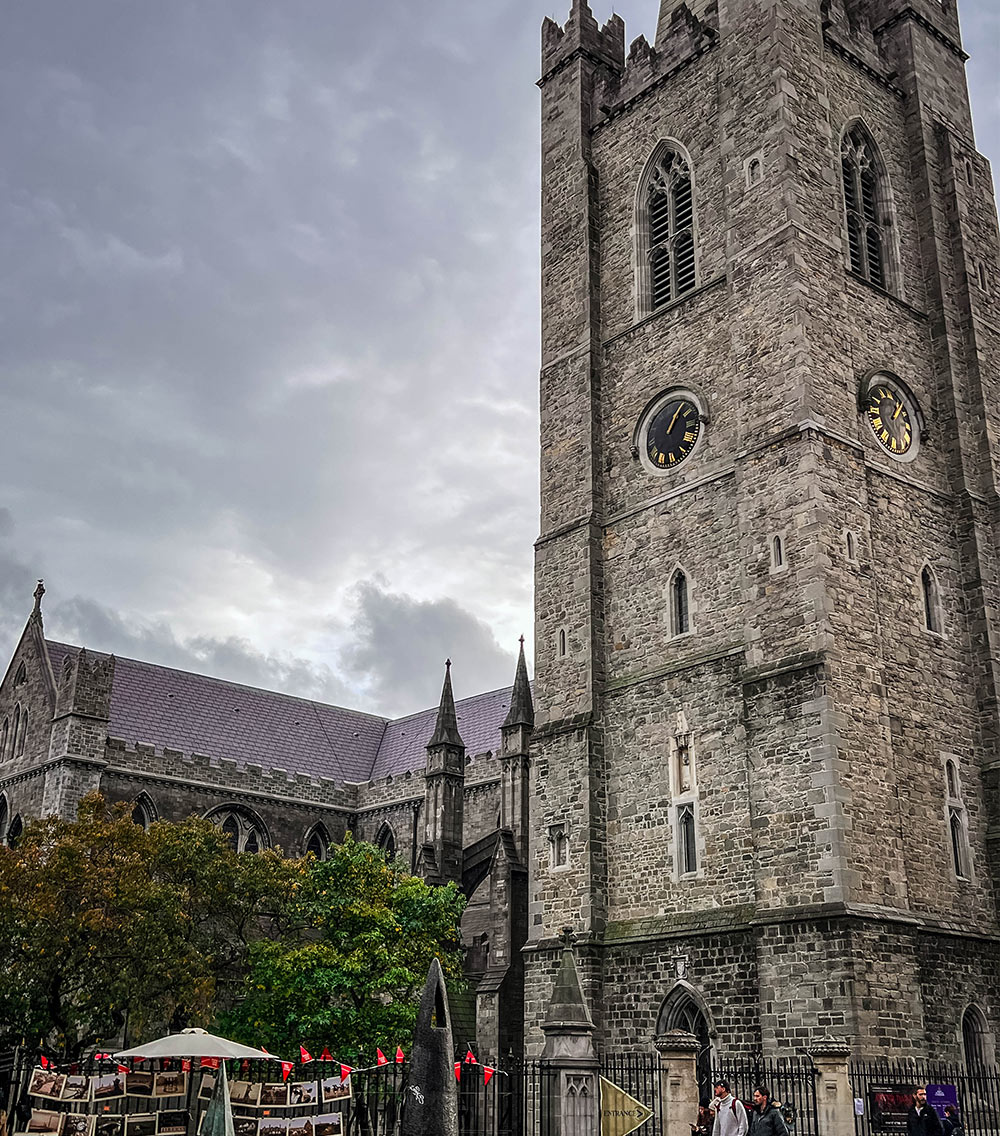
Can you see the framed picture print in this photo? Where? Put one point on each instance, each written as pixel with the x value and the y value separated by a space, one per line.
pixel 78 1124
pixel 140 1084
pixel 169 1084
pixel 172 1122
pixel 334 1089
pixel 45 1122
pixel 76 1089
pixel 302 1093
pixel 300 1126
pixel 245 1125
pixel 110 1125
pixel 45 1083
pixel 207 1087
pixel 245 1093
pixel 272 1126
pixel 141 1124
pixel 274 1094
pixel 330 1124
pixel 107 1086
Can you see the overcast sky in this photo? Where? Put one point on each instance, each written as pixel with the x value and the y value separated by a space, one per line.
pixel 269 327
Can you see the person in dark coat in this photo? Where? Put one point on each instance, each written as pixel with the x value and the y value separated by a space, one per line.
pixel 767 1119
pixel 952 1122
pixel 922 1120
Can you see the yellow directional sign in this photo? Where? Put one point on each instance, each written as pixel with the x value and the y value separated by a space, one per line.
pixel 620 1113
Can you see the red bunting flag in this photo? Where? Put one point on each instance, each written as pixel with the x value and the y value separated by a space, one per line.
pixel 400 1056
pixel 470 1058
pixel 306 1056
pixel 122 1068
pixel 210 1062
pixel 382 1059
pixel 264 1049
pixel 326 1055
pixel 45 1061
pixel 487 1073
pixel 245 1066
pixel 185 1064
pixel 99 1056
pixel 345 1072
pixel 286 1068
pixel 458 1070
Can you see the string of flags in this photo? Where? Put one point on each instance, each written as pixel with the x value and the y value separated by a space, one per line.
pixel 306 1058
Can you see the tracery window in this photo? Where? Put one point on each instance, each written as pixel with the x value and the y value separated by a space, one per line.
pixel 385 839
pixel 931 602
pixel 143 812
pixel 245 830
pixel 687 840
pixel 14 830
pixel 865 200
pixel 958 835
pixel 667 257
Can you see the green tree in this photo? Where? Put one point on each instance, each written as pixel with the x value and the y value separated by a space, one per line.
pixel 104 924
pixel 351 976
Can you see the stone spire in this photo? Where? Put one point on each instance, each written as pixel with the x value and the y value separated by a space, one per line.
pixel 522 710
pixel 446 730
pixel 567 1010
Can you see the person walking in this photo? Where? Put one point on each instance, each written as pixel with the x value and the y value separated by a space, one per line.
pixel 952 1122
pixel 767 1118
pixel 922 1120
pixel 730 1115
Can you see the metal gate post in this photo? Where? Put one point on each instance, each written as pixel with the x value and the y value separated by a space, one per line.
pixel 834 1098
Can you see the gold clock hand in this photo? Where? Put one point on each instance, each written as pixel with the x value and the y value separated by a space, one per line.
pixel 674 419
pixel 899 407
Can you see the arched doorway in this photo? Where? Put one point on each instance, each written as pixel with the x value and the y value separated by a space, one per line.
pixel 683 1009
pixel 977 1041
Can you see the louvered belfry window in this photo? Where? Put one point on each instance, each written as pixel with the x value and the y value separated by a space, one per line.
pixel 670 229
pixel 863 198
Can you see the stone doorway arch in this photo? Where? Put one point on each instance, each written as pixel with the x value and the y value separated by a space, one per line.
pixel 684 1009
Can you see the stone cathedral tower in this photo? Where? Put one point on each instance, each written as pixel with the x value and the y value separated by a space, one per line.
pixel 766 753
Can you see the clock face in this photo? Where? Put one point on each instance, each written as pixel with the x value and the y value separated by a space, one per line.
pixel 889 418
pixel 672 432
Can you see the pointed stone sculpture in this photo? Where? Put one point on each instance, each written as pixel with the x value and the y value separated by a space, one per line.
pixel 430 1107
pixel 219 1115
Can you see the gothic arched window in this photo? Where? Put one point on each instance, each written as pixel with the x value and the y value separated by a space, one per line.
pixel 385 839
pixel 667 255
pixel 687 840
pixel 24 733
pixel 318 843
pixel 4 735
pixel 143 810
pixel 680 607
pixel 977 1041
pixel 15 730
pixel 244 829
pixel 14 830
pixel 4 812
pixel 866 204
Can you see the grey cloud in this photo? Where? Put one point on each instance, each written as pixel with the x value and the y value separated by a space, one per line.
pixel 401 645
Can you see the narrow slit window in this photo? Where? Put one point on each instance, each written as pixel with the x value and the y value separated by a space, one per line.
pixel 559 846
pixel 562 644
pixel 851 547
pixel 24 733
pixel 687 843
pixel 777 552
pixel 958 851
pixel 929 591
pixel 680 607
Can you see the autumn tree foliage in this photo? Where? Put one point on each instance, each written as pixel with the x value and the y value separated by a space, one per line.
pixel 350 976
pixel 106 926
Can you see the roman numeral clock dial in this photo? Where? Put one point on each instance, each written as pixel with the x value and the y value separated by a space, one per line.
pixel 891 419
pixel 672 433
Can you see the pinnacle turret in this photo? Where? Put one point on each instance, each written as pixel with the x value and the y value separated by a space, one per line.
pixel 522 710
pixel 446 730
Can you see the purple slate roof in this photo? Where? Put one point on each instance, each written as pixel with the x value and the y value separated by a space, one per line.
pixel 197 714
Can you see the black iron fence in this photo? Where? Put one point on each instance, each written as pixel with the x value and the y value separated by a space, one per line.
pixel 883 1092
pixel 791 1082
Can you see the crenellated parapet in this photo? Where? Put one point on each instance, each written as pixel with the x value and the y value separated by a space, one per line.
pixel 582 36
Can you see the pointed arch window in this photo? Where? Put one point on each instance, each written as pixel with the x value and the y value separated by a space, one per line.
pixel 687 840
pixel 244 829
pixel 318 843
pixel 4 813
pixel 143 811
pixel 4 738
pixel 667 255
pixel 978 1045
pixel 930 600
pixel 385 839
pixel 958 832
pixel 24 732
pixel 866 204
pixel 14 831
pixel 680 605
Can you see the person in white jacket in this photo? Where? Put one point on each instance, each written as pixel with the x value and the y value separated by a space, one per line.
pixel 730 1115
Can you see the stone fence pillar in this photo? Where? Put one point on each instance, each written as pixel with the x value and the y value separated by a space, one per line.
pixel 571 1095
pixel 834 1098
pixel 679 1081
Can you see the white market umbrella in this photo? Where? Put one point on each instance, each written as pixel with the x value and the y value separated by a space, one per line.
pixel 195 1043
